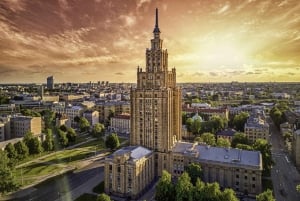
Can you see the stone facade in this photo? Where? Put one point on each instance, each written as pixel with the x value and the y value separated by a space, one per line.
pixel 129 171
pixel 156 104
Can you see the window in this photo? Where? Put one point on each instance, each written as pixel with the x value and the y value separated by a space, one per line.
pixel 237 183
pixel 237 176
pixel 246 177
pixel 253 178
pixel 253 185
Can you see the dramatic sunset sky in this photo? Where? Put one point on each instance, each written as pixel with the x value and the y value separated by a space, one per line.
pixel 97 40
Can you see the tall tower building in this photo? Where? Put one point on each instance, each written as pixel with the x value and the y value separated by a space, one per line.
pixel 156 104
pixel 50 82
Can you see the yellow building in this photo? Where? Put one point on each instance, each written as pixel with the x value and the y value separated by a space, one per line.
pixel 257 127
pixel 156 105
pixel 129 171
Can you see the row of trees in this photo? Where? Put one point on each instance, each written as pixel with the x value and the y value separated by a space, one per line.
pixel 185 190
pixel 196 126
pixel 14 153
pixel 190 187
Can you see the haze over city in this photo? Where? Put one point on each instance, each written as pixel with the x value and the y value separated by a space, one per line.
pixel 208 41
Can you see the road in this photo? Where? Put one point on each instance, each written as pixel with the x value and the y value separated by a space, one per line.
pixel 284 175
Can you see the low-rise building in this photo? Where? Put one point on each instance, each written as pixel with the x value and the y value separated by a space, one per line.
pixel 20 125
pixel 231 168
pixel 129 171
pixel 256 126
pixel 120 123
pixel 92 117
pixel 226 134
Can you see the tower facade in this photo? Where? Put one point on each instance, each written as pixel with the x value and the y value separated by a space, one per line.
pixel 156 104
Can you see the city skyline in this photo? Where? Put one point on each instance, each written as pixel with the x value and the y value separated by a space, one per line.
pixel 208 41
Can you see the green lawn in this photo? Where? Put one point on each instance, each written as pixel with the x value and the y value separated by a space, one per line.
pixel 87 197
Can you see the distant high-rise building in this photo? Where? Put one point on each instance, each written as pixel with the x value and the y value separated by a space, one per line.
pixel 50 82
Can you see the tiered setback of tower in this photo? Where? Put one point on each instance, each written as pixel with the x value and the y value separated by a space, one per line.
pixel 156 138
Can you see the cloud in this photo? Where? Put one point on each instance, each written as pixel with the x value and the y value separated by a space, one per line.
pixel 128 20
pixel 119 73
pixel 214 74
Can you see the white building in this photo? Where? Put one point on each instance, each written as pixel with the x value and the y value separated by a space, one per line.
pixel 120 123
pixel 92 117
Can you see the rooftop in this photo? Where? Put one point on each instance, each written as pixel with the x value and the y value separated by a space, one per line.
pixel 231 156
pixel 136 152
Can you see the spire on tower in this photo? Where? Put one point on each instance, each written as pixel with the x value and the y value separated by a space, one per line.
pixel 156 29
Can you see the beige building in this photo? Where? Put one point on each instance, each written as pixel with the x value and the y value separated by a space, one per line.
pixel 106 109
pixel 156 105
pixel 257 127
pixel 120 123
pixel 155 138
pixel 129 171
pixel 20 125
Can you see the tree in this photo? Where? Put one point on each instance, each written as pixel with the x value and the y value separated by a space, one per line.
pixel 63 140
pixel 189 124
pixel 22 150
pixel 103 197
pixel 48 143
pixel 77 119
pixel 209 138
pixel 11 151
pixel 7 180
pixel 198 191
pixel 298 188
pixel 98 130
pixel 239 138
pixel 196 126
pixel 195 172
pixel 211 192
pixel 71 135
pixel 217 123
pixel 184 188
pixel 63 128
pixel 164 188
pixel 27 138
pixel 228 195
pixel 222 142
pixel 112 141
pixel 265 196
pixel 240 120
pixel 244 147
pixel 84 124
pixel 265 149
pixel 35 146
pixel 48 117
